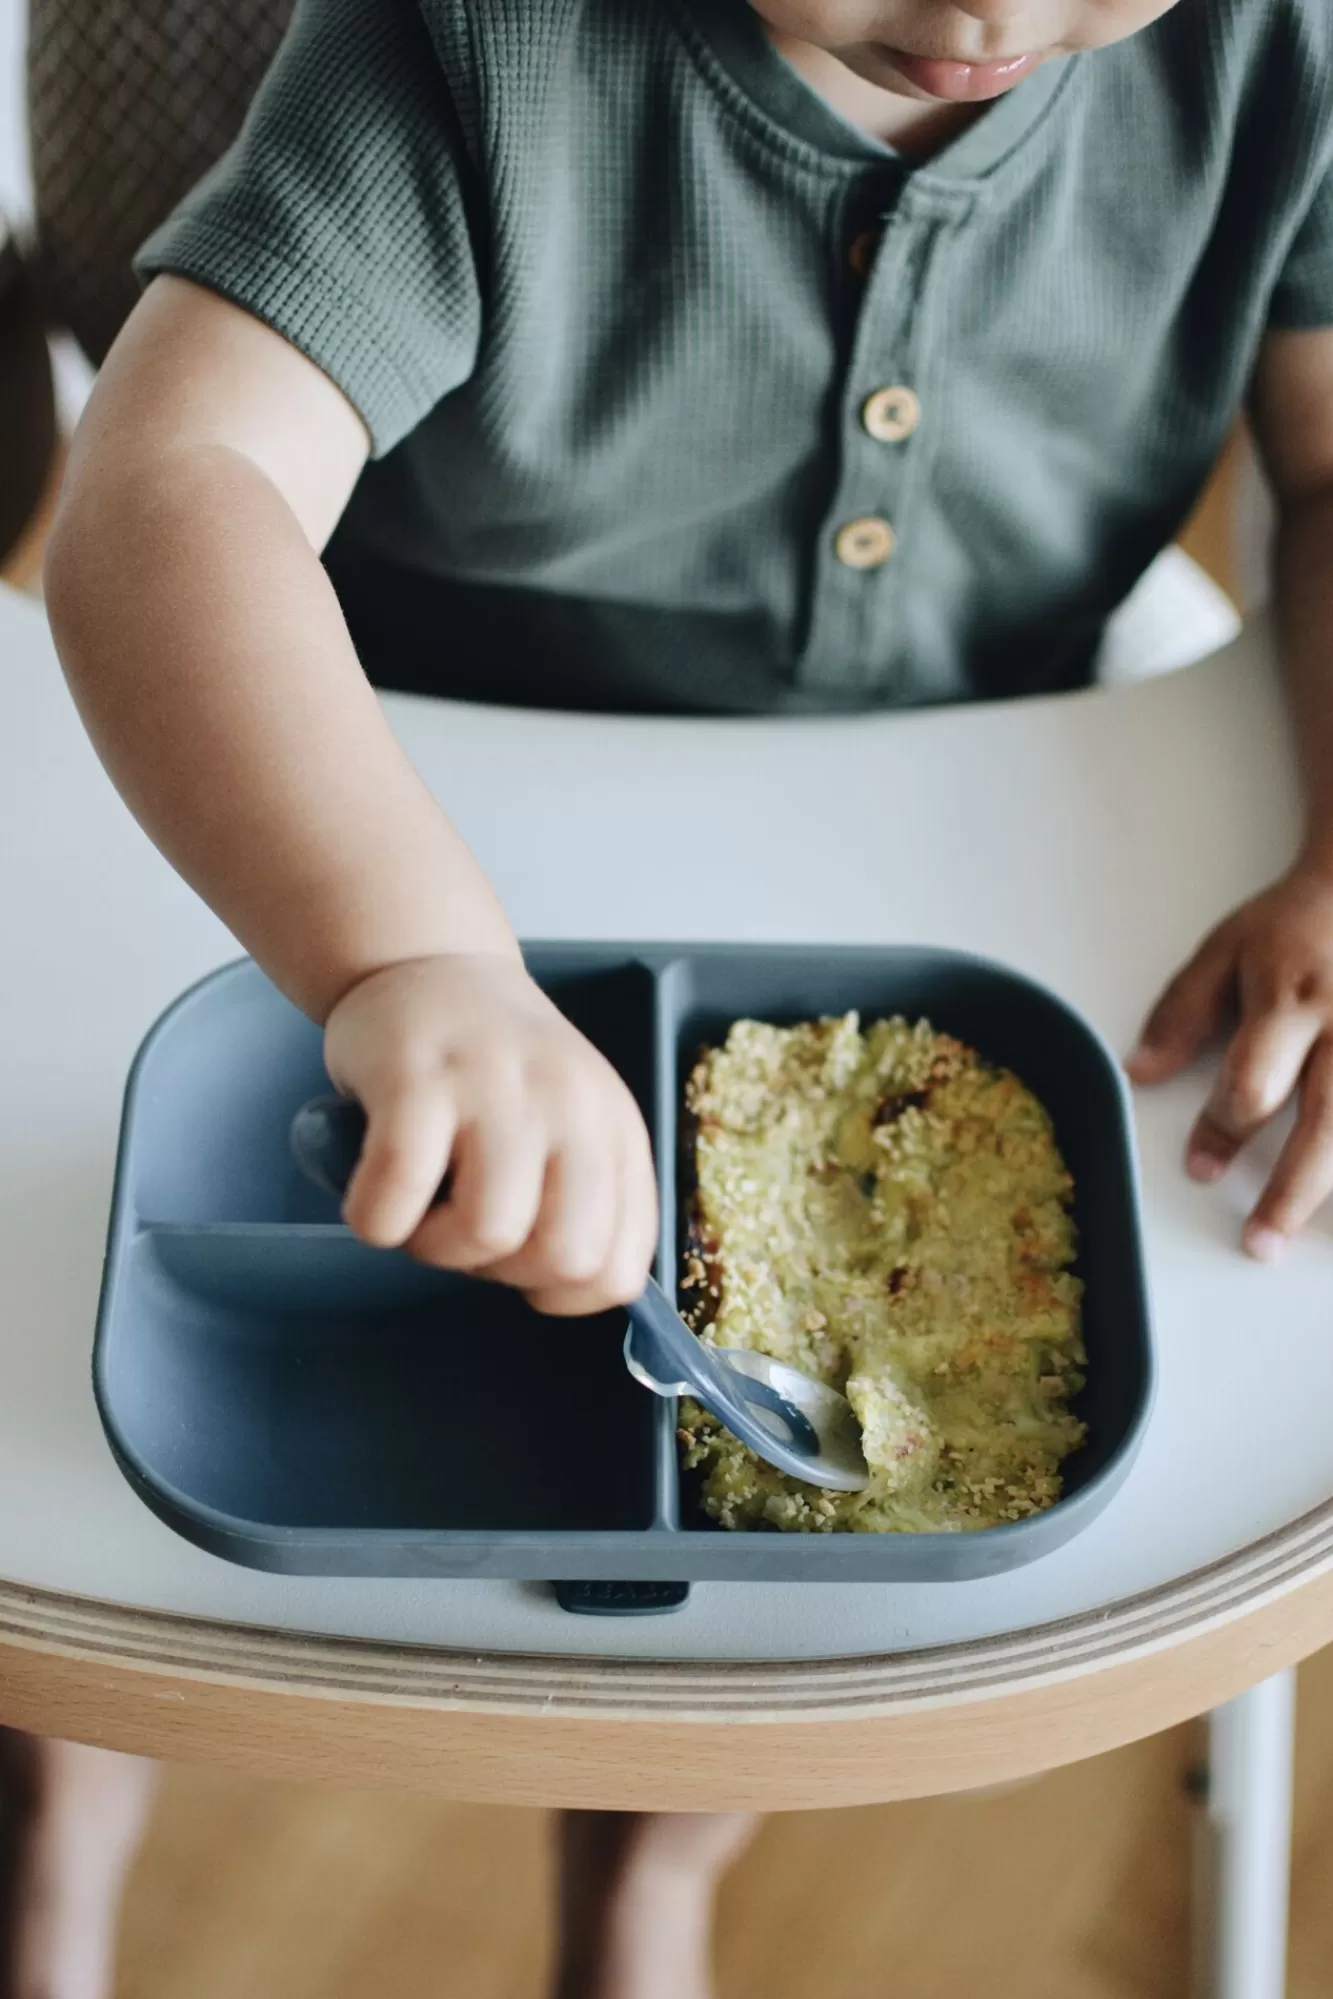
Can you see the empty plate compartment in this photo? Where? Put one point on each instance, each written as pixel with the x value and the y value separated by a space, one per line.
pixel 219 1078
pixel 292 1399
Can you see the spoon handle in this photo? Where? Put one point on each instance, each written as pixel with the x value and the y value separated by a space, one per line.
pixel 327 1135
pixel 326 1139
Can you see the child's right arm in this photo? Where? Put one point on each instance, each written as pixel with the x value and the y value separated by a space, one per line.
pixel 210 662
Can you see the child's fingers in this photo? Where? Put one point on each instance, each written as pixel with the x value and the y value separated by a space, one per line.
pixel 495 1191
pixel 630 1251
pixel 571 1235
pixel 636 1242
pixel 1303 1176
pixel 1187 1015
pixel 1259 1072
pixel 580 1206
pixel 409 1137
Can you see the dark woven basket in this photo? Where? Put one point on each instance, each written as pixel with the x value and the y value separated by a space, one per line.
pixel 129 102
pixel 27 408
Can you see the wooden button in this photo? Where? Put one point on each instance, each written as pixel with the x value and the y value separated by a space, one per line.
pixel 891 414
pixel 866 543
pixel 861 251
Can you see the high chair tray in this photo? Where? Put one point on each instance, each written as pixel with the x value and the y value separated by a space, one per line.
pixel 290 1399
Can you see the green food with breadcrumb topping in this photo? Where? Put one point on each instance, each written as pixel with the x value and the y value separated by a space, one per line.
pixel 884 1209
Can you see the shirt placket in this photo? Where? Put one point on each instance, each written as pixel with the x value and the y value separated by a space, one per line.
pixel 862 564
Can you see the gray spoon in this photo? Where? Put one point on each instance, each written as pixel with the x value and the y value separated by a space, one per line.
pixel 787 1418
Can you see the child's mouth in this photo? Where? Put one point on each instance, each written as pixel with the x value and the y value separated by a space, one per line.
pixel 962 82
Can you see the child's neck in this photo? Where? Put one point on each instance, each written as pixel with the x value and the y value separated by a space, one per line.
pixel 913 126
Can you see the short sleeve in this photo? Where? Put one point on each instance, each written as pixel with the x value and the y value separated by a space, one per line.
pixel 1303 296
pixel 340 216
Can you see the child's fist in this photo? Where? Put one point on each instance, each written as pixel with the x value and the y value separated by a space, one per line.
pixel 464 1066
pixel 1268 971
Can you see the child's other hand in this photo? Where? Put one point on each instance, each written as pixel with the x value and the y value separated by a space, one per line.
pixel 1271 963
pixel 461 1062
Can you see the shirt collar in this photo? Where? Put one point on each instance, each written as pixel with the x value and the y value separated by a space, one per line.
pixel 736 38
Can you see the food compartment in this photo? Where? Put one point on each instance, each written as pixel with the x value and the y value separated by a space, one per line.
pixel 1019 1026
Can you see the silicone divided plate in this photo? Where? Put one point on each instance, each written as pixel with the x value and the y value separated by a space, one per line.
pixel 290 1399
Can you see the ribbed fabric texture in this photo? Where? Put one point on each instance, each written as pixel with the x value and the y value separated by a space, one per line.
pixel 597 275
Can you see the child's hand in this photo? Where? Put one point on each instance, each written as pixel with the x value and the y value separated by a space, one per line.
pixel 462 1063
pixel 1272 962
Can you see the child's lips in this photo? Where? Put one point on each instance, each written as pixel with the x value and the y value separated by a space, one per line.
pixel 962 82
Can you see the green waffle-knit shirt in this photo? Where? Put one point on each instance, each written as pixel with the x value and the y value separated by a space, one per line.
pixel 686 394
